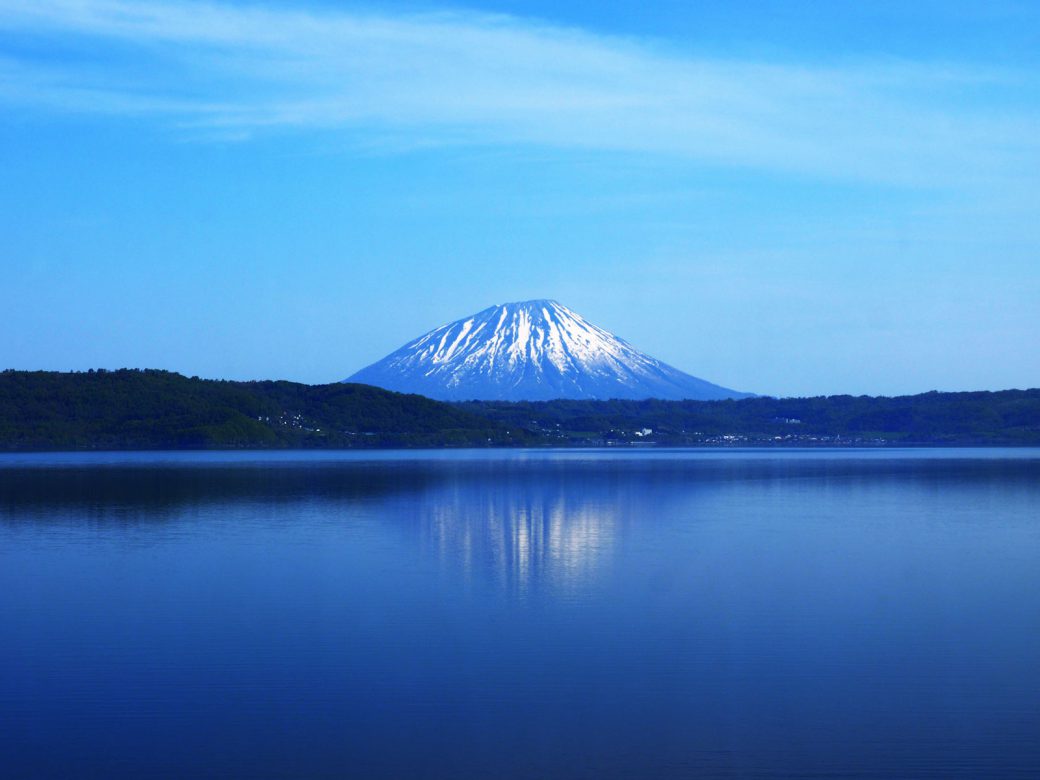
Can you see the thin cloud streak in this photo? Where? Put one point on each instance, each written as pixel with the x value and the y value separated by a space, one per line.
pixel 471 78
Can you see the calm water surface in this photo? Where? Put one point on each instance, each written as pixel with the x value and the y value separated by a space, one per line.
pixel 855 614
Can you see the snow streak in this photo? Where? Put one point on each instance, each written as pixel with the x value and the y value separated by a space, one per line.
pixel 532 350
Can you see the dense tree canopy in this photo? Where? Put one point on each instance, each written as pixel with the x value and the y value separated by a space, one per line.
pixel 146 409
pixel 134 409
pixel 1008 417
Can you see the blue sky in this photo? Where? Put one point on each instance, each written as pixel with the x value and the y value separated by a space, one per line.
pixel 792 198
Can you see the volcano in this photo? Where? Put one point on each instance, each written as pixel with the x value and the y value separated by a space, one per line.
pixel 531 351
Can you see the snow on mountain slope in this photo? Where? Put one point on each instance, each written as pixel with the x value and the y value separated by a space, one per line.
pixel 530 351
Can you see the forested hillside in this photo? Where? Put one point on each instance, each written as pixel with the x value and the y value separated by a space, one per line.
pixel 1009 417
pixel 151 409
pixel 135 409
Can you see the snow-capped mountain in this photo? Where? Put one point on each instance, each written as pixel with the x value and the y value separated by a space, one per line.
pixel 530 351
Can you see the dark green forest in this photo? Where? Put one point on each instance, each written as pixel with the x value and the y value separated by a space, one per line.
pixel 1009 417
pixel 153 409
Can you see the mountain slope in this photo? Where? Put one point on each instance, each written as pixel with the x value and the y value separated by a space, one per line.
pixel 528 351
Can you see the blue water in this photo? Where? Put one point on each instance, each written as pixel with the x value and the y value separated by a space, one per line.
pixel 586 614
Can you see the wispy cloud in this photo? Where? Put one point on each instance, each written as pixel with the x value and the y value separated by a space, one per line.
pixel 471 78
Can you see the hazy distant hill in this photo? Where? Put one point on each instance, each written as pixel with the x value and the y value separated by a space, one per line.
pixel 527 351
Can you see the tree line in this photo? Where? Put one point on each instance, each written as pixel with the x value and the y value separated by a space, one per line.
pixel 154 409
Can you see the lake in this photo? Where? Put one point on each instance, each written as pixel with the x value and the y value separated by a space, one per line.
pixel 521 614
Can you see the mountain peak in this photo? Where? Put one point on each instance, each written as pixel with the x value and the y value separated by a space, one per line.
pixel 534 303
pixel 530 350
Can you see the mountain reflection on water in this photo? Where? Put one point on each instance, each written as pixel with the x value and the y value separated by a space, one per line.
pixel 518 536
pixel 536 523
pixel 546 520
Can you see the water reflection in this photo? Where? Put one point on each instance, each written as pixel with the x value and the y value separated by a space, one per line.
pixel 523 521
pixel 521 536
pixel 150 484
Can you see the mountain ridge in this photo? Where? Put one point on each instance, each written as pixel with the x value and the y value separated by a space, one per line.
pixel 533 350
